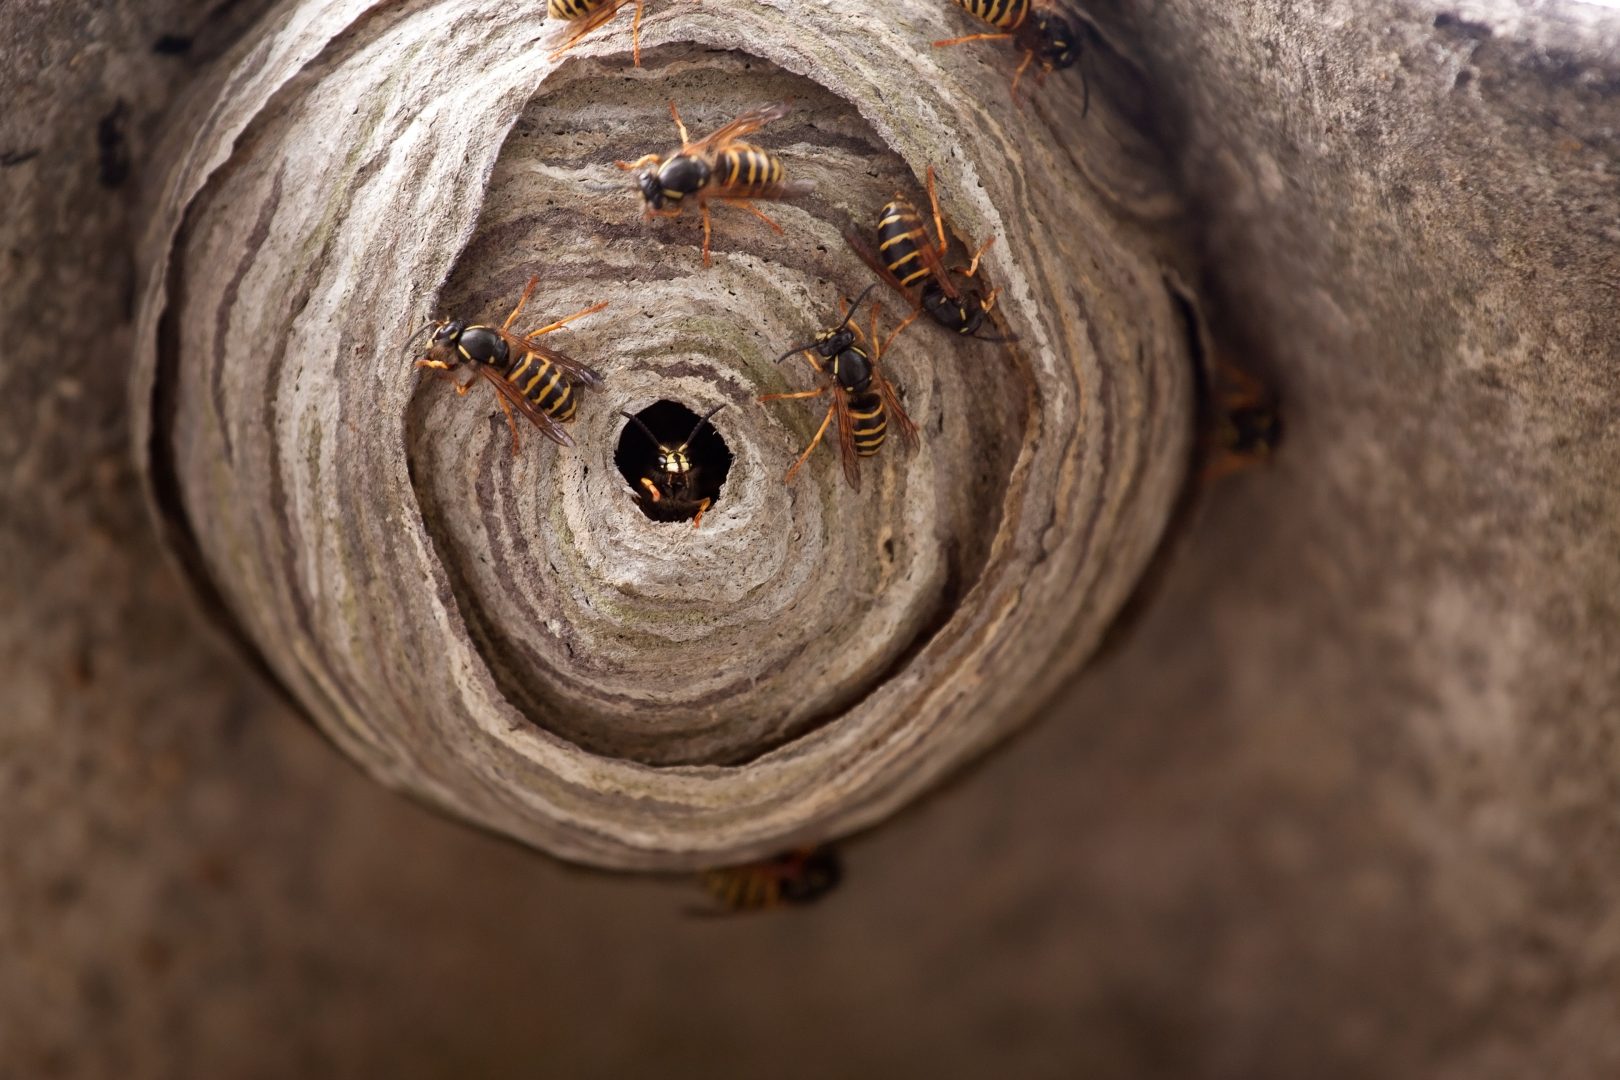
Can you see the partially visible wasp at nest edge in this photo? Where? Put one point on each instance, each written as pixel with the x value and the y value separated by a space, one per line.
pixel 719 166
pixel 1038 29
pixel 672 489
pixel 591 14
pixel 794 878
pixel 537 381
pixel 863 399
pixel 913 264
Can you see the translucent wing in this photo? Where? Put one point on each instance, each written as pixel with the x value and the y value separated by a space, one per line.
pixel 746 124
pixel 869 257
pixel 548 427
pixel 846 438
pixel 897 412
pixel 576 371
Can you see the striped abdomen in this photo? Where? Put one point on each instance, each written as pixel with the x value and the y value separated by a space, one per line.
pixel 869 421
pixel 569 10
pixel 900 231
pixel 544 384
pixel 742 169
pixel 1004 14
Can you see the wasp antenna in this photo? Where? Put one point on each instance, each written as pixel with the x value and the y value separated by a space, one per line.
pixel 430 324
pixel 795 350
pixel 697 427
pixel 636 420
pixel 855 306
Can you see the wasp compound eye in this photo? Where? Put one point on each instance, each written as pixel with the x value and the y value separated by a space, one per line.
pixel 651 191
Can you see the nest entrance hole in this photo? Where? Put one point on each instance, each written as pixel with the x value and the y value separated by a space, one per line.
pixel 671 425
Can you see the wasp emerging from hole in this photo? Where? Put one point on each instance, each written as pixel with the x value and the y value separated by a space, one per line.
pixel 537 381
pixel 1037 29
pixel 718 167
pixel 591 14
pixel 793 878
pixel 673 490
pixel 914 266
pixel 863 400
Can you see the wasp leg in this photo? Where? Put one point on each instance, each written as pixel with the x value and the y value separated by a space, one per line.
pixel 680 125
pixel 652 489
pixel 705 208
pixel 580 314
pixel 973 264
pixel 702 509
pixel 591 23
pixel 933 201
pixel 444 371
pixel 1019 74
pixel 635 34
pixel 792 397
pixel 909 319
pixel 528 290
pixel 511 422
pixel 971 37
pixel 815 442
pixel 641 162
pixel 756 211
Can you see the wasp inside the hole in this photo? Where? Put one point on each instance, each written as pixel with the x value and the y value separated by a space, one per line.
pixel 675 461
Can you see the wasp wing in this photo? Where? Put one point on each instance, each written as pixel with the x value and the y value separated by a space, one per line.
pixel 870 258
pixel 548 427
pixel 746 124
pixel 846 438
pixel 897 412
pixel 576 370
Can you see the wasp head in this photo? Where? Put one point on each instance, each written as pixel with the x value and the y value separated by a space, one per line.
pixel 1053 41
pixel 673 462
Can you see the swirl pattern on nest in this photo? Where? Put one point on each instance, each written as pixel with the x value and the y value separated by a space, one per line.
pixel 507 635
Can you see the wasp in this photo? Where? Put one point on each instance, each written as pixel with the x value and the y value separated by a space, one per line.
pixel 672 491
pixel 537 381
pixel 591 14
pixel 1244 426
pixel 1038 30
pixel 863 400
pixel 914 266
pixel 793 878
pixel 718 167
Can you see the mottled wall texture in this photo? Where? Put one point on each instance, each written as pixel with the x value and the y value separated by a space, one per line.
pixel 1338 797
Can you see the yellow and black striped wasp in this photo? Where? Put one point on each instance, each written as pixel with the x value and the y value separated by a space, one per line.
pixel 674 491
pixel 1038 30
pixel 863 400
pixel 591 14
pixel 720 166
pixel 793 878
pixel 914 266
pixel 537 381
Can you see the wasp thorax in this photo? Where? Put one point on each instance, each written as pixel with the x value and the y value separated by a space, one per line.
pixel 682 175
pixel 853 370
pixel 482 345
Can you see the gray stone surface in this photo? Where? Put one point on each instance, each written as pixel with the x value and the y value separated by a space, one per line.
pixel 1340 803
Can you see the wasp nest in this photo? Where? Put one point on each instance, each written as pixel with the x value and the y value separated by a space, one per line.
pixel 509 636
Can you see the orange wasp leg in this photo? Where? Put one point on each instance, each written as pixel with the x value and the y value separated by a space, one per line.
pixel 511 422
pixel 756 211
pixel 971 37
pixel 702 509
pixel 560 323
pixel 815 442
pixel 592 22
pixel 652 489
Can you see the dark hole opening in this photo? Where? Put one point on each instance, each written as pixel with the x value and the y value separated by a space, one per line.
pixel 679 497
